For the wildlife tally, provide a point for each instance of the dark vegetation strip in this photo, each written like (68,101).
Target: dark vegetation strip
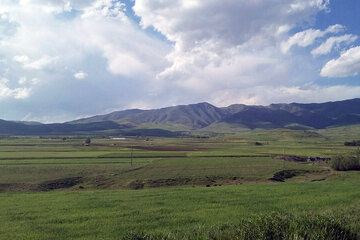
(50,185)
(233,156)
(353,143)
(281,176)
(144,156)
(68,163)
(97,157)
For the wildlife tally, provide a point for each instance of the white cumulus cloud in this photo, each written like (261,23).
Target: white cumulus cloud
(347,65)
(17,93)
(105,8)
(182,51)
(37,64)
(308,37)
(80,75)
(332,42)
(43,43)
(228,44)
(262,95)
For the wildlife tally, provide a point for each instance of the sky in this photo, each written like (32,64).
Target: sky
(66,59)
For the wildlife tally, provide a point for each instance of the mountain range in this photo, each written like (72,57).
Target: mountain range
(171,121)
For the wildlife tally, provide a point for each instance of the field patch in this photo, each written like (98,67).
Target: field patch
(170,148)
(176,188)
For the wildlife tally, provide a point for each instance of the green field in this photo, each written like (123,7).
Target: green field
(174,187)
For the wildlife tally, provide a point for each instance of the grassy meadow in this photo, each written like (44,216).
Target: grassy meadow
(177,188)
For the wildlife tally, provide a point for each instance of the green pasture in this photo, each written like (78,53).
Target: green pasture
(185,184)
(112,214)
(199,160)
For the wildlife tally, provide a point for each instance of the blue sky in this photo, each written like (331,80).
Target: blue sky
(66,59)
(346,13)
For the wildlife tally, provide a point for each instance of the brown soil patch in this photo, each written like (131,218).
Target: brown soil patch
(9,187)
(170,149)
(294,158)
(59,184)
(18,145)
(235,138)
(136,185)
(44,186)
(213,181)
(318,180)
(168,182)
(171,182)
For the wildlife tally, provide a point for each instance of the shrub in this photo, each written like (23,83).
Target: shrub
(346,162)
(281,176)
(353,143)
(87,140)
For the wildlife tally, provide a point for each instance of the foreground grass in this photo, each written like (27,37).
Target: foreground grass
(271,226)
(115,214)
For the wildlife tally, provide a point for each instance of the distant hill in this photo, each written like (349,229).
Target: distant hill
(196,116)
(170,121)
(16,128)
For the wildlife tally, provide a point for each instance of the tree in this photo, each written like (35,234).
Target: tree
(88,141)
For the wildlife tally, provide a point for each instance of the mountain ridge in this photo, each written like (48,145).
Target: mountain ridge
(195,116)
(201,115)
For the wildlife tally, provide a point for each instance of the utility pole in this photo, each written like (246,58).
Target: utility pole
(283,158)
(132,149)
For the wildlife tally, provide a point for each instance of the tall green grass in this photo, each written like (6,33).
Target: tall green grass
(183,212)
(272,226)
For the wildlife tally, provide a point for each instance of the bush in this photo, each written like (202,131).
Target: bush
(346,162)
(87,140)
(353,143)
(281,176)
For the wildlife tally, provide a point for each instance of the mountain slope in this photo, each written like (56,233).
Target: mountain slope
(193,116)
(262,117)
(13,128)
(201,116)
(321,115)
(197,116)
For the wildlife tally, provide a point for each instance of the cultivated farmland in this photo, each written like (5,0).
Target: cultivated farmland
(178,188)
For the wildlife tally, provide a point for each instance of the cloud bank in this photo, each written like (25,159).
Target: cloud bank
(64,59)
